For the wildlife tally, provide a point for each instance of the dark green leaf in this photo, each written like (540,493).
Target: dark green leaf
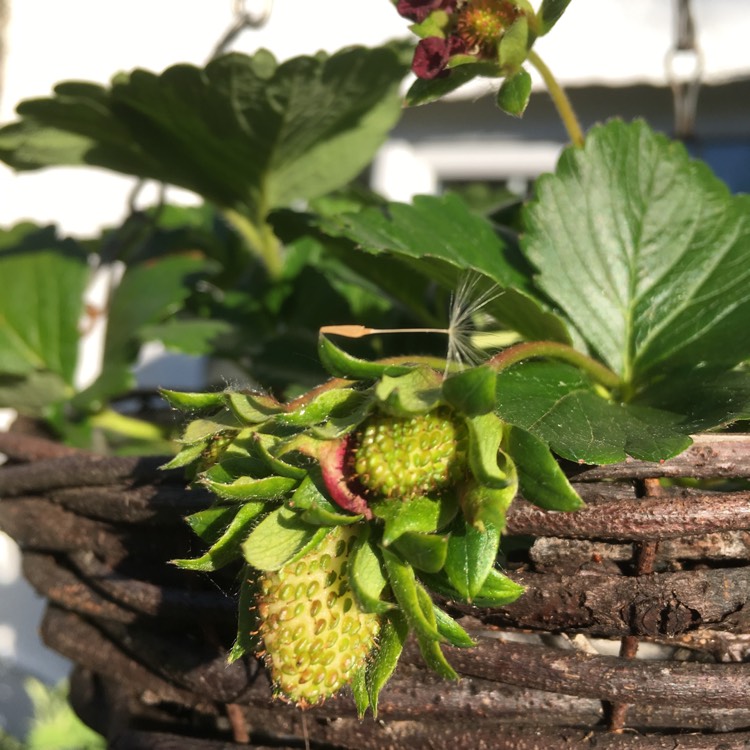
(555,402)
(421,515)
(442,238)
(486,506)
(248,624)
(359,691)
(471,556)
(497,591)
(540,477)
(646,251)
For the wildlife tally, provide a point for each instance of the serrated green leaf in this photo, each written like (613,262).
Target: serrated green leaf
(277,539)
(443,238)
(485,458)
(557,404)
(471,557)
(407,590)
(452,631)
(471,392)
(227,548)
(514,94)
(366,575)
(425,552)
(646,251)
(540,477)
(340,364)
(416,392)
(394,630)
(249,488)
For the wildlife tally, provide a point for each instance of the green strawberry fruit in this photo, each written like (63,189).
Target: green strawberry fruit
(314,632)
(402,457)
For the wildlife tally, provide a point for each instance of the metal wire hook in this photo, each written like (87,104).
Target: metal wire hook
(243,19)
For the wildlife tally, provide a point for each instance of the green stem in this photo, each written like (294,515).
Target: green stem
(560,99)
(554,350)
(136,429)
(260,238)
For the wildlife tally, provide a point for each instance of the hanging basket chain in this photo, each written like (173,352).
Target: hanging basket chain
(684,65)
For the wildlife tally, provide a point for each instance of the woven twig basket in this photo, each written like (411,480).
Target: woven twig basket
(659,570)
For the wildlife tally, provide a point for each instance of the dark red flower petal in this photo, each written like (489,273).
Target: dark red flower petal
(430,57)
(418,10)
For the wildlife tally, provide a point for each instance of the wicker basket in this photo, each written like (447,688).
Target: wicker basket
(660,567)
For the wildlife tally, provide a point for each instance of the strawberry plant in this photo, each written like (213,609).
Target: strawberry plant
(361,508)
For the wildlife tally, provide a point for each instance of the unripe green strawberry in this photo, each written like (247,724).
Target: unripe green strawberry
(408,456)
(314,632)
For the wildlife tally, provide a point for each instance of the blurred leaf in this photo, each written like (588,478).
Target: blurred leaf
(550,13)
(245,132)
(513,96)
(41,305)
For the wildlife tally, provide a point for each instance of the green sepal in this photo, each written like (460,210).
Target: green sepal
(320,408)
(416,392)
(340,364)
(200,429)
(394,630)
(435,658)
(471,392)
(338,425)
(253,408)
(359,691)
(228,547)
(471,557)
(421,514)
(283,469)
(434,25)
(248,619)
(486,505)
(514,93)
(209,524)
(248,488)
(277,539)
(407,590)
(550,13)
(540,477)
(485,436)
(425,552)
(453,632)
(514,45)
(193,401)
(187,455)
(366,575)
(497,591)
(315,508)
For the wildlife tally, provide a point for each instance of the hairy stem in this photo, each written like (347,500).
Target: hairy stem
(554,350)
(560,99)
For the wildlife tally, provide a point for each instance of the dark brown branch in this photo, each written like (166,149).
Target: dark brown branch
(18,446)
(679,513)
